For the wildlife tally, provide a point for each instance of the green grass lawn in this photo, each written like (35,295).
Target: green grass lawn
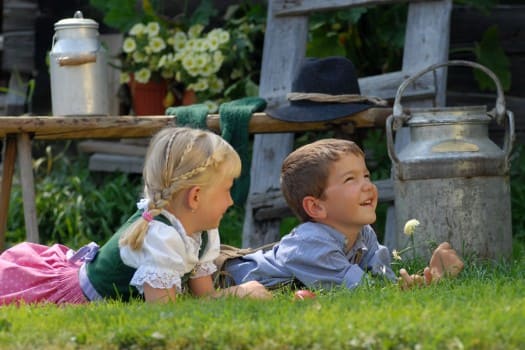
(482,309)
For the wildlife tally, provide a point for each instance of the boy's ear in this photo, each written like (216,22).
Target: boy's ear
(193,197)
(314,208)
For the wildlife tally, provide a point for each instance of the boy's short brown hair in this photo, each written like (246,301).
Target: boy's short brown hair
(305,171)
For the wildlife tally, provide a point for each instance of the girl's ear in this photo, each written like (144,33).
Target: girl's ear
(193,197)
(314,208)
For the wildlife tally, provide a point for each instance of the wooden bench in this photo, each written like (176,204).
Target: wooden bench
(18,131)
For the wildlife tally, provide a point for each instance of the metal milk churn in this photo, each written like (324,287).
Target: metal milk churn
(451,176)
(78,68)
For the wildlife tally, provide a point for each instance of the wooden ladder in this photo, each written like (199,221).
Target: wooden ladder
(426,43)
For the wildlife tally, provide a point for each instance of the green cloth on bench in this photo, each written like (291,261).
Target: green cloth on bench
(234,121)
(193,116)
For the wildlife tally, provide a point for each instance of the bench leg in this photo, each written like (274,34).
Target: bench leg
(7,180)
(28,186)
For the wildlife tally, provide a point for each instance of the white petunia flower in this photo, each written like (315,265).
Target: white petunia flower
(137,29)
(153,29)
(124,78)
(195,30)
(212,106)
(129,45)
(143,75)
(157,44)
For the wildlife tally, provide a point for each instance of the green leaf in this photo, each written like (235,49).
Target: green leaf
(489,53)
(203,13)
(321,45)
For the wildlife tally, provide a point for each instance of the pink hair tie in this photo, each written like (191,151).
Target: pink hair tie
(146,215)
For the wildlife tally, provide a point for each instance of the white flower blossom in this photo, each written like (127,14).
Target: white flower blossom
(410,227)
(129,45)
(195,30)
(396,255)
(137,29)
(143,75)
(153,29)
(124,78)
(157,44)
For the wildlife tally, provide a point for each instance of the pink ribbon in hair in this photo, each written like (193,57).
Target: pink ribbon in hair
(146,215)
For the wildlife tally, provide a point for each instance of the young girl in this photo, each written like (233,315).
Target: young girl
(168,244)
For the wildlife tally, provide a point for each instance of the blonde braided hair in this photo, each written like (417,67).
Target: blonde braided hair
(179,158)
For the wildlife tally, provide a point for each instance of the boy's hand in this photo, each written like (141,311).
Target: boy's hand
(407,281)
(445,262)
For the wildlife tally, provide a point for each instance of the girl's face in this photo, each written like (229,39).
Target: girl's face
(214,200)
(350,197)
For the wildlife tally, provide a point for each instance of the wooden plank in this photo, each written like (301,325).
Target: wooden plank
(113,163)
(19,15)
(9,158)
(304,7)
(25,162)
(18,51)
(385,86)
(82,127)
(284,49)
(108,147)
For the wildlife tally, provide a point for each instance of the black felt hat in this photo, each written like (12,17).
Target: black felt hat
(331,76)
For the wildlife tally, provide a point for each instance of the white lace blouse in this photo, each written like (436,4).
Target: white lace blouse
(168,253)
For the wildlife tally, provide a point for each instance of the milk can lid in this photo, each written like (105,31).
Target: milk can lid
(76,21)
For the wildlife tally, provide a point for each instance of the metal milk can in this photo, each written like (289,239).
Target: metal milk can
(78,68)
(451,176)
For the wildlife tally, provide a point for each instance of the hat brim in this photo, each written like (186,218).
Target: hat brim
(308,111)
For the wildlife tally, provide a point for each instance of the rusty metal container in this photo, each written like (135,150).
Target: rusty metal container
(451,176)
(78,68)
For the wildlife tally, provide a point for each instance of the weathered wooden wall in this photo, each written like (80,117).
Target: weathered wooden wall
(467,28)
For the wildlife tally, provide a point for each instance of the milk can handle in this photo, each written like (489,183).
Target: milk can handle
(500,101)
(77,60)
(398,117)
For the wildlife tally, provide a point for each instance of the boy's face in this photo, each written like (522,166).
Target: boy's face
(350,198)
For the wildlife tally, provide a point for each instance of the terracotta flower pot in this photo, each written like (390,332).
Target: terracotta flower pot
(148,98)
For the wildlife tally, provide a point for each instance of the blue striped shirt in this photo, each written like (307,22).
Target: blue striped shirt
(315,255)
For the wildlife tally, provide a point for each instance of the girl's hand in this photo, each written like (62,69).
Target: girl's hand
(156,295)
(252,289)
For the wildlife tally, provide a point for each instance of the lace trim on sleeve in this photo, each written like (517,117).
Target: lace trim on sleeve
(156,279)
(204,269)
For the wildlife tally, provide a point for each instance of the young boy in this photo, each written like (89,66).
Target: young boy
(328,187)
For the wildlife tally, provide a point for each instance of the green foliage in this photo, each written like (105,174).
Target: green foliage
(119,14)
(371,37)
(489,53)
(73,206)
(517,187)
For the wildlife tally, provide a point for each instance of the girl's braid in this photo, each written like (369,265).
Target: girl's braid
(170,167)
(188,175)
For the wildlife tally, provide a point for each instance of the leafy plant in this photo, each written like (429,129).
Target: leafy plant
(371,37)
(73,206)
(517,187)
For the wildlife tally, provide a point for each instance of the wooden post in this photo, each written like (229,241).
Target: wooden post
(9,158)
(25,162)
(281,58)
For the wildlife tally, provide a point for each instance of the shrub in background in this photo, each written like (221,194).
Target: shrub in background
(74,206)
